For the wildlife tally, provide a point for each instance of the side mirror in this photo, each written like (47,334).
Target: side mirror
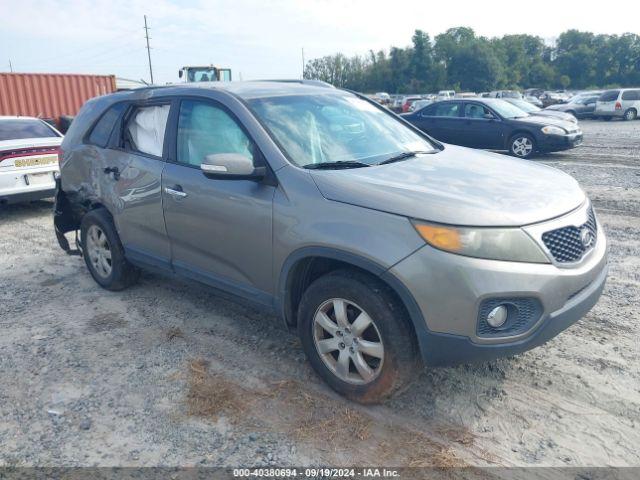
(231,166)
(179,73)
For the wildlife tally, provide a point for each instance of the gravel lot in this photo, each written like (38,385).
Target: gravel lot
(170,374)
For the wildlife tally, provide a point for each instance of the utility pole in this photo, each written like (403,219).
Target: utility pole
(302,63)
(10,66)
(146,34)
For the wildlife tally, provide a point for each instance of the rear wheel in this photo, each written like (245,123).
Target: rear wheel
(630,114)
(522,145)
(357,336)
(103,252)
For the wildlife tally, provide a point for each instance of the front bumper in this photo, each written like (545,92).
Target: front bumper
(555,143)
(449,290)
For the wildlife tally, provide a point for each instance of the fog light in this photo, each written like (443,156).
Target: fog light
(497,316)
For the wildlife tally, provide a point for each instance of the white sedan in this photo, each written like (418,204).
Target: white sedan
(28,159)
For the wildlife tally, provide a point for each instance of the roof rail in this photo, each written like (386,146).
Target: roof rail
(316,83)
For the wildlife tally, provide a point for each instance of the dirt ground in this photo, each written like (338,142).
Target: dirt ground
(169,373)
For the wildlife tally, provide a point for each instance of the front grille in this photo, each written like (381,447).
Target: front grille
(523,313)
(566,244)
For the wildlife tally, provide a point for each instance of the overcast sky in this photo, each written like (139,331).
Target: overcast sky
(261,38)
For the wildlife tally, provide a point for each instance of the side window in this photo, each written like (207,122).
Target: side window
(101,132)
(631,95)
(429,111)
(145,129)
(204,129)
(447,109)
(474,110)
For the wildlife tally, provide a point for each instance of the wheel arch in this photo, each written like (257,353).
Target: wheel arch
(306,264)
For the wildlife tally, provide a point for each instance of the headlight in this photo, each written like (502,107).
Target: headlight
(551,130)
(510,244)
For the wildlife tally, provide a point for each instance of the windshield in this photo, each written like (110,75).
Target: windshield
(524,105)
(202,74)
(506,110)
(14,129)
(314,129)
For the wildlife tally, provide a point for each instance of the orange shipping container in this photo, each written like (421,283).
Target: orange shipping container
(50,95)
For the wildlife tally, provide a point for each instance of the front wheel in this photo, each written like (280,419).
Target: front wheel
(630,114)
(357,336)
(522,145)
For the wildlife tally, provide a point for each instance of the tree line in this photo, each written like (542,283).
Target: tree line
(460,60)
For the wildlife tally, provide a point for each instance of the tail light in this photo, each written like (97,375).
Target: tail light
(28,152)
(618,106)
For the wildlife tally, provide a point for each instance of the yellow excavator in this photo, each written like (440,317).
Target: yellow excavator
(204,74)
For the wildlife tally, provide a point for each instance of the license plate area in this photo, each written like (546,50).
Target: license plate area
(39,178)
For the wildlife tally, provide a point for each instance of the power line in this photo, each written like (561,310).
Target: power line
(146,33)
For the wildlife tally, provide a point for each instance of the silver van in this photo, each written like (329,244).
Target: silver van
(382,247)
(622,103)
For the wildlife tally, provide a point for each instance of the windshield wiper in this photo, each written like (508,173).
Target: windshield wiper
(402,156)
(336,165)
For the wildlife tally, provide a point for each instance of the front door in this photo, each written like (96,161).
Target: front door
(220,230)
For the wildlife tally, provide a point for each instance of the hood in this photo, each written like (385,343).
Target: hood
(457,186)
(556,114)
(543,120)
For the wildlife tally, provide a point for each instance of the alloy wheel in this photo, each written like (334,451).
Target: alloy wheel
(99,251)
(522,146)
(348,341)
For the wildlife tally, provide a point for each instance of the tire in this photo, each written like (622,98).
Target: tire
(100,241)
(389,336)
(630,114)
(522,145)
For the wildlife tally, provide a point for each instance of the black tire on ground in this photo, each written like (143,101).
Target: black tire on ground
(517,145)
(630,114)
(123,274)
(401,363)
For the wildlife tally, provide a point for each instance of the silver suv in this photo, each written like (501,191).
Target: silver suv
(382,247)
(622,103)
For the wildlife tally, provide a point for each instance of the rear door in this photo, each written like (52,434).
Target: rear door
(441,120)
(131,177)
(220,229)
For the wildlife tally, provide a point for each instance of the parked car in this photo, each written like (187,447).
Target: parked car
(379,245)
(419,104)
(505,94)
(579,106)
(407,101)
(445,94)
(551,98)
(621,103)
(28,159)
(533,110)
(382,98)
(533,100)
(497,125)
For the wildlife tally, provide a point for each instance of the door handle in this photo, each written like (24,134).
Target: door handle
(175,191)
(114,170)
